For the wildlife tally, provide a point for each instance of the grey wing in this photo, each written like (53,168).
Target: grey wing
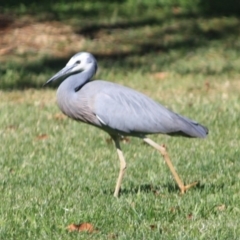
(127,111)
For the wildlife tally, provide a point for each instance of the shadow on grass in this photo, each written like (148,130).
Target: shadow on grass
(142,56)
(203,7)
(150,188)
(185,36)
(170,187)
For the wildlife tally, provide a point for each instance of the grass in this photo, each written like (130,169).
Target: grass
(55,171)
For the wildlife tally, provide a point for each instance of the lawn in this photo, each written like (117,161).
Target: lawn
(56,172)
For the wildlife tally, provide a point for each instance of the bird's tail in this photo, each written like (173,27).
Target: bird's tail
(190,128)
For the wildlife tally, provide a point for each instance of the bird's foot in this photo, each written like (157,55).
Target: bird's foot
(183,188)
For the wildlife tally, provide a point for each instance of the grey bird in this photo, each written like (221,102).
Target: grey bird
(119,110)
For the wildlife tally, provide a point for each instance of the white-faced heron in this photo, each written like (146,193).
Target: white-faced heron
(119,110)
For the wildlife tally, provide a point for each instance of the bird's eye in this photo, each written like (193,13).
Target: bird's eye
(78,62)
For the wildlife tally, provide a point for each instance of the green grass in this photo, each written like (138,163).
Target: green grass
(55,171)
(69,176)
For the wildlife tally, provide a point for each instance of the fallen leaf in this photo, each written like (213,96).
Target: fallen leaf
(160,75)
(164,146)
(153,226)
(207,85)
(82,227)
(155,192)
(190,216)
(86,227)
(109,140)
(125,139)
(42,137)
(72,227)
(11,127)
(59,116)
(221,207)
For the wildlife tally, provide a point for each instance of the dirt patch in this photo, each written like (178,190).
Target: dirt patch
(53,38)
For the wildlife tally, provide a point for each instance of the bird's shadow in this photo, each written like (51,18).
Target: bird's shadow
(169,187)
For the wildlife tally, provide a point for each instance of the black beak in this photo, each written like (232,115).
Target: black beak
(62,74)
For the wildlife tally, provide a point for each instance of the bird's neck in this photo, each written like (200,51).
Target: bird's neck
(75,82)
(68,91)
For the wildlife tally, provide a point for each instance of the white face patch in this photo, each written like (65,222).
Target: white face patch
(85,55)
(71,62)
(84,60)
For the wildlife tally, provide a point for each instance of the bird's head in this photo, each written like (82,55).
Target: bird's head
(82,61)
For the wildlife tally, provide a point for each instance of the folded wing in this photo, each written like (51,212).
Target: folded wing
(125,110)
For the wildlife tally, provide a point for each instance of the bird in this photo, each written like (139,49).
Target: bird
(120,111)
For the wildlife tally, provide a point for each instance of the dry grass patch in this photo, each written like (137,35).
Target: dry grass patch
(26,36)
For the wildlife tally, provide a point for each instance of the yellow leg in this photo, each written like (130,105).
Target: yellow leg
(163,151)
(123,166)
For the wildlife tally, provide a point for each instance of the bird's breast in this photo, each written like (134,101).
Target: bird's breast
(77,107)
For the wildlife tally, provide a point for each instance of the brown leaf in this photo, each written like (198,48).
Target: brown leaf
(207,85)
(160,75)
(59,116)
(153,226)
(42,137)
(72,227)
(155,192)
(82,227)
(125,139)
(164,146)
(221,207)
(11,127)
(109,140)
(190,216)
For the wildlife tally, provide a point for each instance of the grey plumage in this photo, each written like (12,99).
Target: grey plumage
(114,108)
